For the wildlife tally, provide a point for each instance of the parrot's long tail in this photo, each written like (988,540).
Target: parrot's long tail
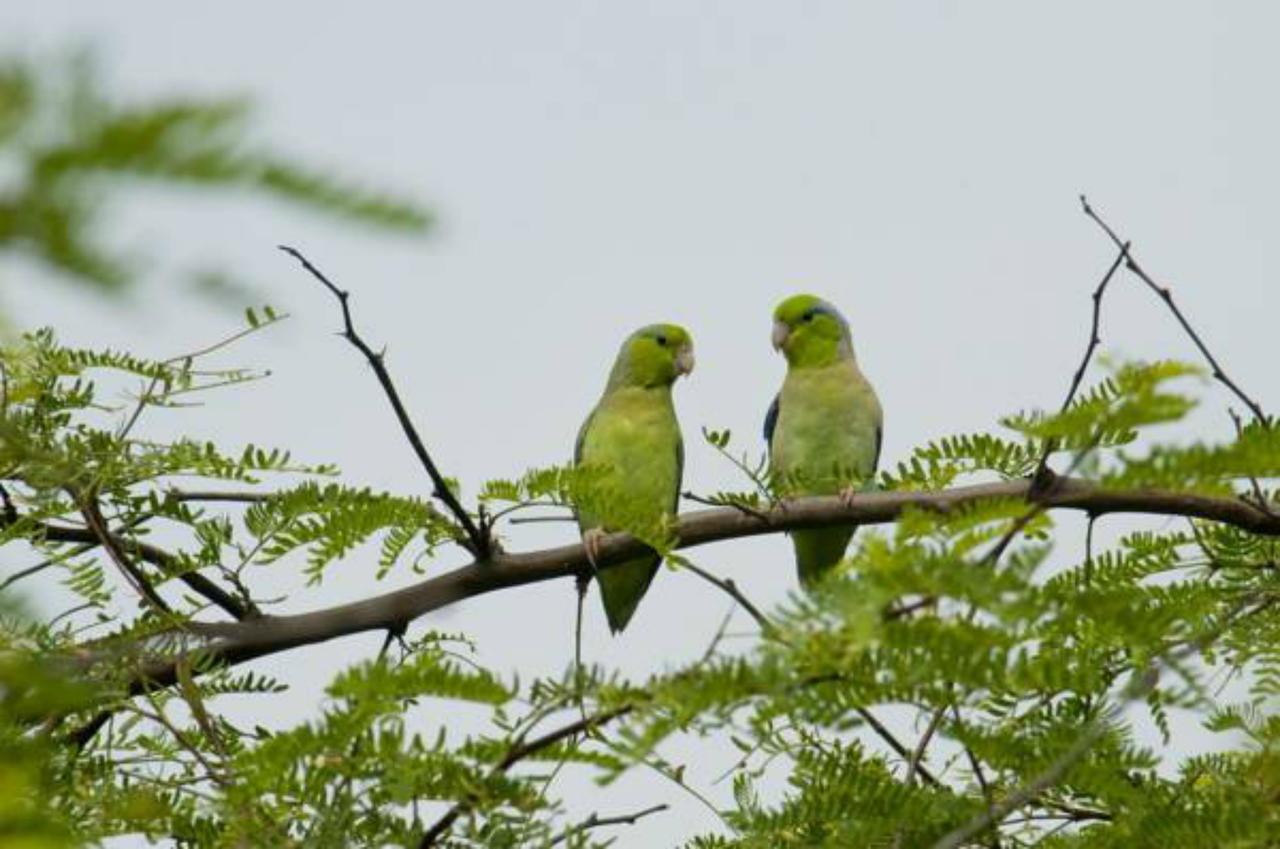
(622,587)
(818,551)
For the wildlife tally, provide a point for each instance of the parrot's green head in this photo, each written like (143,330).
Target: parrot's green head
(653,356)
(810,332)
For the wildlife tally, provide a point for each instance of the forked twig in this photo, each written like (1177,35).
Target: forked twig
(1166,295)
(1095,339)
(477,541)
(514,755)
(596,821)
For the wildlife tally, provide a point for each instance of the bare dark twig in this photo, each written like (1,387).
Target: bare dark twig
(229,495)
(902,611)
(476,540)
(729,586)
(1095,339)
(597,821)
(539,520)
(581,583)
(709,502)
(1088,550)
(1076,812)
(148,553)
(1043,478)
(895,744)
(81,737)
(52,533)
(979,775)
(1166,295)
(1259,497)
(10,511)
(98,525)
(917,756)
(34,569)
(514,755)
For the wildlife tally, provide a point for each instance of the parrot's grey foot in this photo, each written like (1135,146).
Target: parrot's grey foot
(591,541)
(848,495)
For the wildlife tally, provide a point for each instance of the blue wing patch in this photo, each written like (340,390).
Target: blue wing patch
(675,508)
(771,420)
(582,437)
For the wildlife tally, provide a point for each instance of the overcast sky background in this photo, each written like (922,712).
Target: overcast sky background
(596,167)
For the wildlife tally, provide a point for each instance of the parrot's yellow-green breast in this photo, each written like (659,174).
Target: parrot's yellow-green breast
(632,440)
(824,427)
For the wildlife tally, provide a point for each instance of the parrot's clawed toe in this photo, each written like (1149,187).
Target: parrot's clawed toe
(591,541)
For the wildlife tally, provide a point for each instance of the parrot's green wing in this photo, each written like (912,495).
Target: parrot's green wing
(830,420)
(635,440)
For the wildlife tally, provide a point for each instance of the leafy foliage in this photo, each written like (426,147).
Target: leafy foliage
(1042,683)
(69,146)
(964,620)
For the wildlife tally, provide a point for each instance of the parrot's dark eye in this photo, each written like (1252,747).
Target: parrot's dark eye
(808,316)
(661,340)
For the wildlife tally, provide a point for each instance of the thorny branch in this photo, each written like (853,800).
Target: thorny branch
(477,540)
(1164,293)
(1095,339)
(237,642)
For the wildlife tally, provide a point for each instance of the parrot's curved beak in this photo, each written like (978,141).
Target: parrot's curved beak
(780,333)
(685,360)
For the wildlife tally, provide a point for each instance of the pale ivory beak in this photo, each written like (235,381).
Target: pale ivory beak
(780,334)
(684,360)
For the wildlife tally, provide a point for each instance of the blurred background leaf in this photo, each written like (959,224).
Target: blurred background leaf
(68,151)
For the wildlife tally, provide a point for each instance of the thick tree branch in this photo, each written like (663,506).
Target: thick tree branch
(476,540)
(234,643)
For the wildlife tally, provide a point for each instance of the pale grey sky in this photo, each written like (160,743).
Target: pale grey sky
(598,166)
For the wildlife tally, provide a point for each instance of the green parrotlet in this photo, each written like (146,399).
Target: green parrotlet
(633,439)
(824,427)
